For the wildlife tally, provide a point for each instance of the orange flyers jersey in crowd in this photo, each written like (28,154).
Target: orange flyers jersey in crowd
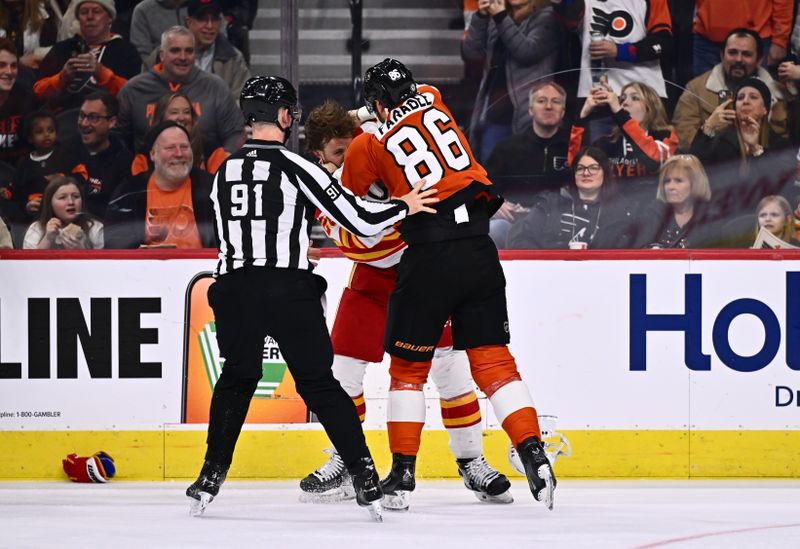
(419,140)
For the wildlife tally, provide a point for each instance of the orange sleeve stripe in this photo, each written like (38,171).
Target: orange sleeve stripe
(648,144)
(111,82)
(139,164)
(216,159)
(358,400)
(575,143)
(468,421)
(49,86)
(81,170)
(659,18)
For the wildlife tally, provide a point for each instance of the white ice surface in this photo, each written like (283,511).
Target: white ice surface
(443,515)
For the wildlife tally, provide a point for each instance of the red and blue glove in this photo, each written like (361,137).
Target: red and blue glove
(96,468)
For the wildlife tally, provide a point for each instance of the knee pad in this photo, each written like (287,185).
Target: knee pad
(349,372)
(492,367)
(450,373)
(408,372)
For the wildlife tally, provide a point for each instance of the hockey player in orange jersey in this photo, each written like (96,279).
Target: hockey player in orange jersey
(450,269)
(358,329)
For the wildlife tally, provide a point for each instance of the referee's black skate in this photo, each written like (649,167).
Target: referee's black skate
(399,483)
(367,487)
(541,479)
(331,482)
(488,484)
(205,488)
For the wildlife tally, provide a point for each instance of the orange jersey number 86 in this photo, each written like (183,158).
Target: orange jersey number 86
(415,150)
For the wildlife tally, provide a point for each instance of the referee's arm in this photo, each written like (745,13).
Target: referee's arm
(354,214)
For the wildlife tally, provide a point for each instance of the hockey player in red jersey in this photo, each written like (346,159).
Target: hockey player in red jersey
(450,269)
(358,329)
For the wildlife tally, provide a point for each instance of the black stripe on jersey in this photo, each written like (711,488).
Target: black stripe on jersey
(294,236)
(247,233)
(329,204)
(273,201)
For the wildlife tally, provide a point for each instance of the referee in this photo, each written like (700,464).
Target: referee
(264,199)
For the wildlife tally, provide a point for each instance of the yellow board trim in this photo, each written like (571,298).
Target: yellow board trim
(271,454)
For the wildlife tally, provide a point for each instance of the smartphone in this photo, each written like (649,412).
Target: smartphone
(725,95)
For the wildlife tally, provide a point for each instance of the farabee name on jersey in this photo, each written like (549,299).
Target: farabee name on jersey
(419,140)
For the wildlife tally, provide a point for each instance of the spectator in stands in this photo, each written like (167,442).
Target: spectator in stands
(774,214)
(214,54)
(521,166)
(240,16)
(517,41)
(703,104)
(63,223)
(641,141)
(177,107)
(624,40)
(6,242)
(97,156)
(771,20)
(168,207)
(674,220)
(47,160)
(151,18)
(15,102)
(221,121)
(750,134)
(94,59)
(32,26)
(587,213)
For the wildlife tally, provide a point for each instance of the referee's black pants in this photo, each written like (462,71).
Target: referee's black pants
(249,304)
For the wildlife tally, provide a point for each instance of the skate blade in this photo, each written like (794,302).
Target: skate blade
(397,501)
(503,498)
(198,506)
(344,493)
(547,494)
(375,511)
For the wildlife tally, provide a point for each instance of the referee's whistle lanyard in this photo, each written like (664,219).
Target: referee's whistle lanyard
(577,237)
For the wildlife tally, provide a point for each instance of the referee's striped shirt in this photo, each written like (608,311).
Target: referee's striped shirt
(264,199)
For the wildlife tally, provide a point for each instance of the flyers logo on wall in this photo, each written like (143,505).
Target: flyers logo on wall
(276,399)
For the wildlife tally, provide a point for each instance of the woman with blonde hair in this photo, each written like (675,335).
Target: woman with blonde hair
(642,141)
(674,219)
(32,25)
(517,41)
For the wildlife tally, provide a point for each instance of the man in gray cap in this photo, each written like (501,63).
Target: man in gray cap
(93,59)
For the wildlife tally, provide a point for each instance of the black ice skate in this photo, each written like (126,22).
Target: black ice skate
(399,483)
(331,482)
(541,479)
(367,487)
(488,484)
(205,488)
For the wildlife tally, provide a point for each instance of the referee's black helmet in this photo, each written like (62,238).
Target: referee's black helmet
(389,82)
(263,96)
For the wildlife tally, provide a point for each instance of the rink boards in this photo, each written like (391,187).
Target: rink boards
(657,364)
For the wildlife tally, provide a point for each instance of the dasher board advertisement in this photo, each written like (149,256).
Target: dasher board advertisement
(603,344)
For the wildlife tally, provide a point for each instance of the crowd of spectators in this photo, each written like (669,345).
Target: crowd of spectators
(626,145)
(603,123)
(114,116)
